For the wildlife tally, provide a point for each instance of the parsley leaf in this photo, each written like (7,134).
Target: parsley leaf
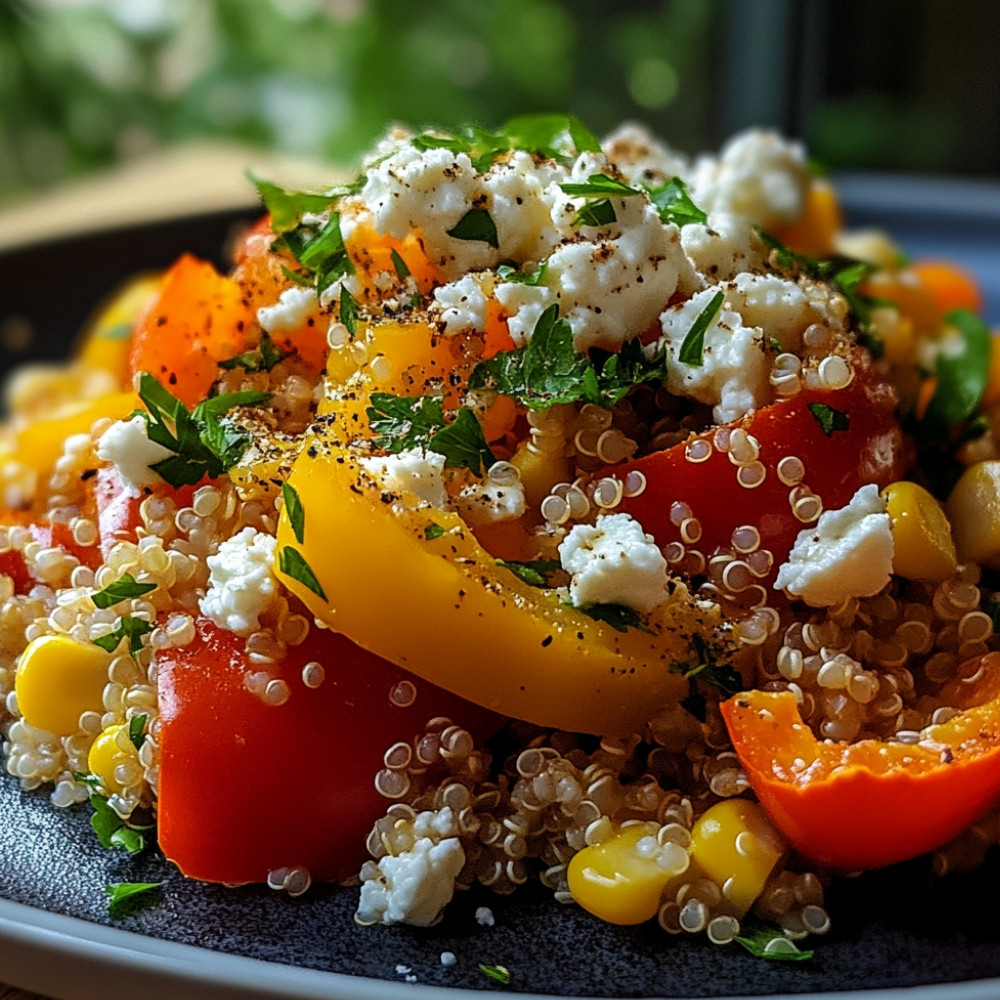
(137,730)
(203,446)
(770,943)
(498,972)
(129,628)
(399,265)
(961,377)
(829,419)
(537,277)
(692,350)
(293,563)
(125,587)
(348,311)
(546,134)
(596,213)
(548,370)
(719,675)
(112,830)
(532,573)
(261,359)
(434,530)
(476,225)
(401,422)
(620,617)
(674,204)
(125,898)
(286,207)
(320,251)
(599,186)
(295,511)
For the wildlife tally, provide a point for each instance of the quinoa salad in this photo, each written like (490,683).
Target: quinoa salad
(532,507)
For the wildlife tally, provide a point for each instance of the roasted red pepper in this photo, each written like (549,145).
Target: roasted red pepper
(863,805)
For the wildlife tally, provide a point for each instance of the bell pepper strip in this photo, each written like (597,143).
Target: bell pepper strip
(247,787)
(436,603)
(200,318)
(855,806)
(843,439)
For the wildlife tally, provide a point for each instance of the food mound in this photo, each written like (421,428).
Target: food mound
(529,506)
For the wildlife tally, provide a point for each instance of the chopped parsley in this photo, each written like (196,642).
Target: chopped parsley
(293,563)
(125,898)
(536,277)
(692,350)
(137,730)
(348,311)
(124,588)
(532,573)
(961,376)
(620,617)
(548,370)
(434,530)
(498,972)
(399,265)
(770,943)
(286,207)
(112,830)
(830,419)
(476,225)
(721,676)
(295,511)
(319,249)
(599,186)
(401,422)
(130,628)
(202,444)
(674,204)
(596,213)
(261,359)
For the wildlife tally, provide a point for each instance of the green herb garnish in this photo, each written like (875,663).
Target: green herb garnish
(401,422)
(124,588)
(829,419)
(692,350)
(286,207)
(202,444)
(348,311)
(532,573)
(674,204)
(599,186)
(548,370)
(112,830)
(293,563)
(770,943)
(596,213)
(705,668)
(536,277)
(130,628)
(498,972)
(125,898)
(137,730)
(962,376)
(295,511)
(620,617)
(319,250)
(399,265)
(434,530)
(476,225)
(261,359)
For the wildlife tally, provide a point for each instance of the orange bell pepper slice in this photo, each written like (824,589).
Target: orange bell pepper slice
(855,806)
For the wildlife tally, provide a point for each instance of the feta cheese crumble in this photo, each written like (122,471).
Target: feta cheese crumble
(413,471)
(847,554)
(126,445)
(614,562)
(291,312)
(241,582)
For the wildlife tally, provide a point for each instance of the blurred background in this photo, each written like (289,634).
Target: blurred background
(907,85)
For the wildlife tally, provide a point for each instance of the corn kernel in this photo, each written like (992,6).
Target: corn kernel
(111,749)
(734,844)
(539,473)
(57,680)
(621,879)
(974,510)
(923,548)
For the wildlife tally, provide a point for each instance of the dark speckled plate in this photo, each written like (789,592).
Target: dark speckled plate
(901,933)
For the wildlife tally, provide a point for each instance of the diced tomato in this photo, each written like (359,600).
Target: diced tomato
(844,438)
(863,805)
(248,787)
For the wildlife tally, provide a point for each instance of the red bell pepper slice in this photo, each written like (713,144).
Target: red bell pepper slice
(855,806)
(248,787)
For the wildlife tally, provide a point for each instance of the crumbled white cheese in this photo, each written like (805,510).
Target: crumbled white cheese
(486,502)
(847,554)
(614,562)
(733,375)
(413,471)
(126,445)
(484,916)
(642,158)
(291,312)
(413,887)
(727,246)
(463,303)
(448,958)
(758,175)
(241,582)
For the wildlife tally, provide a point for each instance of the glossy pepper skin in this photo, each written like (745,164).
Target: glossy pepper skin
(837,461)
(868,804)
(247,787)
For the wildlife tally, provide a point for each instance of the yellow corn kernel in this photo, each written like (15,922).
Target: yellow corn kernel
(974,510)
(57,680)
(539,473)
(923,548)
(734,844)
(106,341)
(111,749)
(622,879)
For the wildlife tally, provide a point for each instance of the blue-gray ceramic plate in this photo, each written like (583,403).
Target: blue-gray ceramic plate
(902,933)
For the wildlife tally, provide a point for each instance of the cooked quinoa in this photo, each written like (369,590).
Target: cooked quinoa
(435,278)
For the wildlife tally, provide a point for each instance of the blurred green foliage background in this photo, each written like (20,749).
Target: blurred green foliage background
(85,83)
